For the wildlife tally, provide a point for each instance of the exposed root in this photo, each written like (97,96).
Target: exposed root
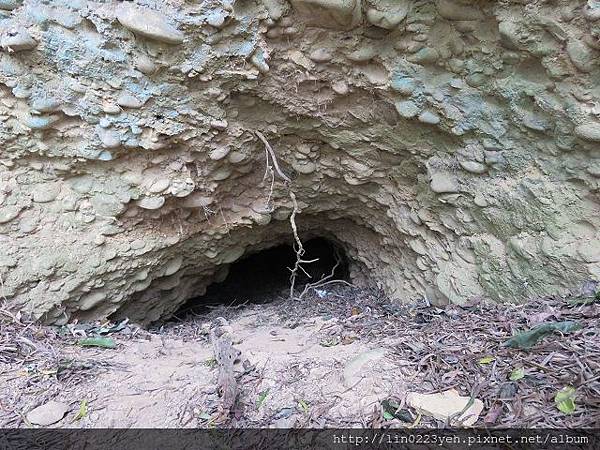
(299,249)
(326,279)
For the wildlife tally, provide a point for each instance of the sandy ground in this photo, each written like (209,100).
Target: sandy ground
(329,360)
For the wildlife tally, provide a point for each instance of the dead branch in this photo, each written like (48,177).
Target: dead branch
(225,355)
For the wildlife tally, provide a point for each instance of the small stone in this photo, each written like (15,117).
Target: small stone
(589,131)
(109,138)
(45,193)
(126,100)
(151,202)
(111,108)
(480,200)
(231,255)
(452,10)
(159,185)
(182,188)
(217,18)
(40,122)
(173,266)
(334,14)
(18,40)
(427,55)
(592,11)
(197,200)
(581,55)
(145,65)
(340,87)
(221,174)
(429,117)
(304,168)
(9,213)
(90,300)
(407,108)
(107,205)
(404,85)
(219,124)
(219,153)
(138,244)
(321,55)
(388,15)
(258,59)
(48,413)
(236,157)
(148,23)
(362,54)
(446,406)
(45,105)
(443,183)
(473,167)
(9,5)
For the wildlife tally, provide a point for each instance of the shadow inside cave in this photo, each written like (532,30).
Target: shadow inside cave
(264,276)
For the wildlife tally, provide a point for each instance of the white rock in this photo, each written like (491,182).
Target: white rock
(182,188)
(159,185)
(148,23)
(126,100)
(407,108)
(9,213)
(446,404)
(46,192)
(429,117)
(473,167)
(589,131)
(90,300)
(340,87)
(443,183)
(321,55)
(48,413)
(388,14)
(18,40)
(151,202)
(219,153)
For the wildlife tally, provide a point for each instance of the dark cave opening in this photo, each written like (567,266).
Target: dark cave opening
(264,276)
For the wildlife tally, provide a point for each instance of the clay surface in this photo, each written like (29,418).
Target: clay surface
(450,147)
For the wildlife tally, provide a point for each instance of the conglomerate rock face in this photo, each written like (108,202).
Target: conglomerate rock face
(452,148)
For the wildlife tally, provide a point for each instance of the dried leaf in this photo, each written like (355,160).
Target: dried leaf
(97,342)
(83,410)
(261,398)
(391,410)
(517,374)
(564,400)
(486,360)
(204,416)
(303,405)
(332,342)
(529,338)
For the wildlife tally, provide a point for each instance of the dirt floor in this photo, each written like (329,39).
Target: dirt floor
(340,357)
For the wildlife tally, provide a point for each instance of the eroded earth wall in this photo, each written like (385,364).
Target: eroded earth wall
(452,148)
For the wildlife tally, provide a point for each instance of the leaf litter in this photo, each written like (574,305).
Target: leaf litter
(546,378)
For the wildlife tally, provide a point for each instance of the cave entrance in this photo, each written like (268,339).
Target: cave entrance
(264,276)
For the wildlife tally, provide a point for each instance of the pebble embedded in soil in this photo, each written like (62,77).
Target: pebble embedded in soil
(47,414)
(148,23)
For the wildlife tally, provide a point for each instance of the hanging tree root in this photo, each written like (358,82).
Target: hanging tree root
(299,249)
